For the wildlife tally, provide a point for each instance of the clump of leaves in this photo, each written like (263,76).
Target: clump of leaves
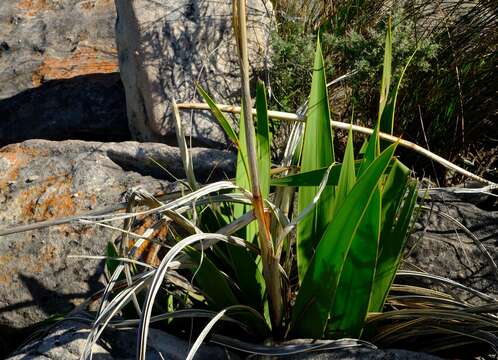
(229,261)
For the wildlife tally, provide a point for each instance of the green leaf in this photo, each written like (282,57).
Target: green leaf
(390,109)
(263,140)
(386,125)
(314,177)
(350,307)
(211,281)
(112,252)
(347,178)
(319,286)
(352,298)
(391,248)
(218,114)
(318,152)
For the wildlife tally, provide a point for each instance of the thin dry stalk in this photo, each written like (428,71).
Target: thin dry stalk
(270,262)
(280,115)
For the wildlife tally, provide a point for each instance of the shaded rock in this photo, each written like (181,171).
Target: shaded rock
(66,341)
(59,71)
(166,47)
(90,107)
(440,246)
(365,354)
(42,180)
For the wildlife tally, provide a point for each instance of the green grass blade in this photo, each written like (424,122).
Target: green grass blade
(218,114)
(318,152)
(391,248)
(318,289)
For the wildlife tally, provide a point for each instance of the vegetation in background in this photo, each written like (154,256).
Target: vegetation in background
(448,99)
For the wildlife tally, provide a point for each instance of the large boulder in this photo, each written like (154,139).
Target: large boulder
(166,47)
(59,71)
(43,180)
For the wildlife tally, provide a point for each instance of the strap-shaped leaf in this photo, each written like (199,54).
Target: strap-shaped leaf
(351,301)
(218,114)
(318,152)
(391,248)
(318,289)
(314,177)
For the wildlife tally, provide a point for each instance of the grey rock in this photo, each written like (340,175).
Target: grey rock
(41,180)
(166,47)
(365,354)
(439,246)
(66,341)
(59,71)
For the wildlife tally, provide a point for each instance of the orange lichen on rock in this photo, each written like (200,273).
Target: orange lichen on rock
(84,60)
(17,157)
(33,7)
(52,198)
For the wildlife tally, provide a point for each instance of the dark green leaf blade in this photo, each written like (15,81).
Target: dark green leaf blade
(391,248)
(319,285)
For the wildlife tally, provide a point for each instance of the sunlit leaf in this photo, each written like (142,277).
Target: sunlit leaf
(318,152)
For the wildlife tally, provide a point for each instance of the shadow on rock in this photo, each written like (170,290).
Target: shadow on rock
(89,107)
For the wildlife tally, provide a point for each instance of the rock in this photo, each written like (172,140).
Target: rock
(42,180)
(364,354)
(166,47)
(66,341)
(439,246)
(59,71)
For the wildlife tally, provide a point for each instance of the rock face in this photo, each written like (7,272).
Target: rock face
(440,246)
(58,70)
(166,47)
(41,180)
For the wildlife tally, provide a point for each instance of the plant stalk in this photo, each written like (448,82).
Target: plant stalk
(284,116)
(270,262)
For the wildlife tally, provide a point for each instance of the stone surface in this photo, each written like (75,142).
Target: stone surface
(364,354)
(439,246)
(42,180)
(166,47)
(59,71)
(66,341)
